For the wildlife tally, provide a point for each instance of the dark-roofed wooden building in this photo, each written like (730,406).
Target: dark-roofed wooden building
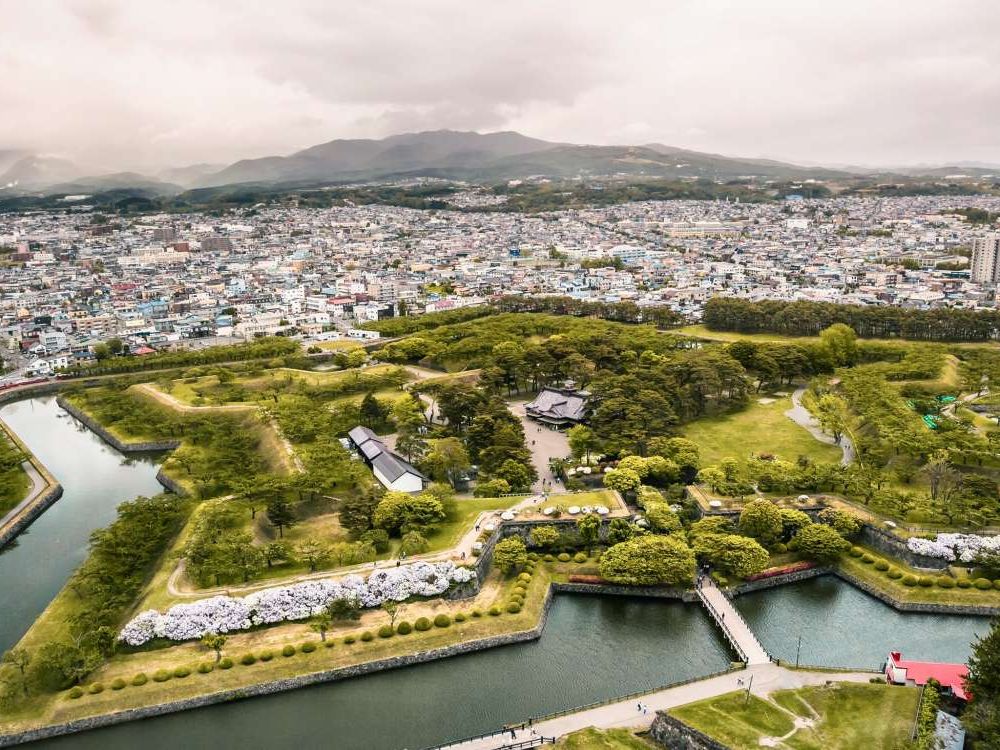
(391,469)
(559,407)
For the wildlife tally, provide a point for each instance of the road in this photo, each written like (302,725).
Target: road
(544,444)
(801,416)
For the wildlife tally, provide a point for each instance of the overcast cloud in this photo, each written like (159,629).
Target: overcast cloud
(141,84)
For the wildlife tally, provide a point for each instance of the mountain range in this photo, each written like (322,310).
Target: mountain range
(477,157)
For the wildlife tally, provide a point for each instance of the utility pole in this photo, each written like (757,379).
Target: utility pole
(749,685)
(798,650)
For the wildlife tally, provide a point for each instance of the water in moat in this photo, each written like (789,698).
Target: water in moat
(593,648)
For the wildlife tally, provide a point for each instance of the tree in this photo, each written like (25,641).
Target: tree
(661,519)
(761,519)
(510,554)
(791,521)
(545,537)
(390,513)
(321,623)
(274,551)
(844,523)
(622,480)
(447,460)
(943,479)
(713,477)
(982,717)
(216,642)
(820,542)
(518,476)
(313,553)
(492,488)
(19,659)
(842,343)
(589,529)
(345,608)
(620,530)
(582,440)
(280,513)
(833,415)
(356,510)
(393,609)
(731,553)
(413,543)
(371,411)
(101,352)
(649,561)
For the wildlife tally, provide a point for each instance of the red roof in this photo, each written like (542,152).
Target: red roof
(919,672)
(140,351)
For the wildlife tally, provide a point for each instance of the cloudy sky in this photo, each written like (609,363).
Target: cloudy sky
(141,84)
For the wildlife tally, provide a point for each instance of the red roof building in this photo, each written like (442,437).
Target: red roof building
(900,671)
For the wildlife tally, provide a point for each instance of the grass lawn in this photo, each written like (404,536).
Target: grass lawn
(760,428)
(603,739)
(843,716)
(340,345)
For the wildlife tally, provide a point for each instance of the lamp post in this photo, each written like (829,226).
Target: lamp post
(798,650)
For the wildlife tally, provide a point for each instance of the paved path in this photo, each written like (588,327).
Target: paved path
(802,417)
(544,444)
(38,485)
(766,679)
(728,618)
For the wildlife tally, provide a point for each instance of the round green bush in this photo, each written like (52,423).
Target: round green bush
(494,610)
(404,628)
(549,558)
(580,557)
(181,672)
(909,580)
(867,559)
(95,688)
(247,659)
(516,598)
(460,617)
(349,639)
(328,644)
(513,608)
(161,675)
(996,583)
(386,631)
(140,679)
(226,663)
(964,583)
(442,621)
(477,613)
(894,573)
(882,565)
(526,577)
(533,556)
(520,590)
(422,623)
(117,684)
(945,582)
(926,581)
(205,667)
(856,552)
(780,548)
(308,647)
(367,636)
(983,584)
(289,650)
(564,557)
(75,693)
(265,655)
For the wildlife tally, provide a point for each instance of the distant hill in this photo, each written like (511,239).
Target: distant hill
(116,181)
(190,175)
(39,171)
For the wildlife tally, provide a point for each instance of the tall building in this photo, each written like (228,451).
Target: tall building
(986,259)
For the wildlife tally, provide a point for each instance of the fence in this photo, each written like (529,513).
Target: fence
(717,616)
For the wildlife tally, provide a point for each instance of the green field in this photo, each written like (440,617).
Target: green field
(760,428)
(603,739)
(843,716)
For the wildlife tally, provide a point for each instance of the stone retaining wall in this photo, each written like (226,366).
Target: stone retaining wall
(674,734)
(29,514)
(778,580)
(278,686)
(924,607)
(98,429)
(892,545)
(610,589)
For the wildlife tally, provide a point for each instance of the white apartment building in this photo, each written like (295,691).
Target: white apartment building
(985,265)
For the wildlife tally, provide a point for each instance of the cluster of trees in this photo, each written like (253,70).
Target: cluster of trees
(13,481)
(96,598)
(809,318)
(767,473)
(982,717)
(619,312)
(264,348)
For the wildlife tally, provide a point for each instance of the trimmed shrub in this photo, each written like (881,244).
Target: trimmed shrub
(205,667)
(526,577)
(265,655)
(580,557)
(856,552)
(442,621)
(95,688)
(895,573)
(514,608)
(404,628)
(983,584)
(996,583)
(247,659)
(533,556)
(181,672)
(161,675)
(367,636)
(517,598)
(909,580)
(308,647)
(494,611)
(564,557)
(867,559)
(226,663)
(328,644)
(140,679)
(477,613)
(549,558)
(520,589)
(422,623)
(926,581)
(964,583)
(289,650)
(780,548)
(75,693)
(117,684)
(386,631)
(945,582)
(349,639)
(882,565)
(460,617)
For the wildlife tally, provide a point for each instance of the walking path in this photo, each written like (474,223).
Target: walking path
(728,618)
(762,679)
(801,416)
(545,444)
(38,485)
